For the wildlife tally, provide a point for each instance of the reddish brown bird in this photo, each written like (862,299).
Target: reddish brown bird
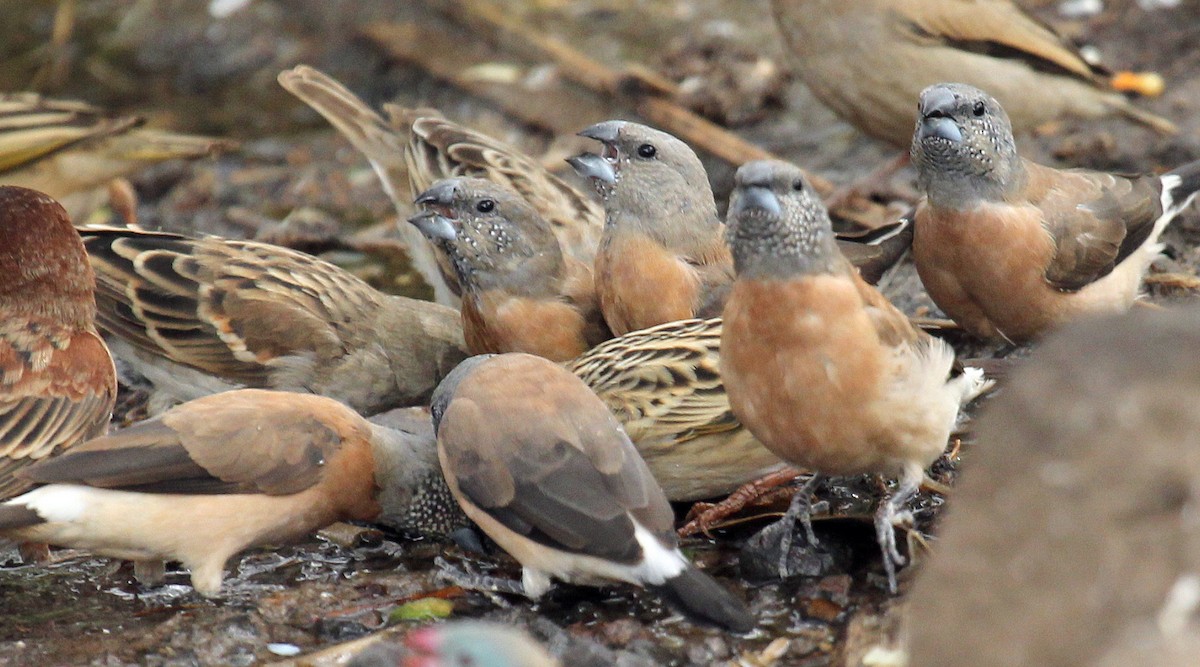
(1011,249)
(520,293)
(542,466)
(201,316)
(215,476)
(57,381)
(417,147)
(819,366)
(662,257)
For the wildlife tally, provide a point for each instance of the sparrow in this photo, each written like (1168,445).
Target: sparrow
(417,147)
(545,470)
(868,60)
(520,293)
(664,385)
(661,257)
(1071,540)
(818,365)
(57,380)
(474,643)
(198,316)
(1011,249)
(62,147)
(213,477)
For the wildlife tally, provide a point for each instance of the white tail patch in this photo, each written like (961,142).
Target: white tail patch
(56,503)
(658,562)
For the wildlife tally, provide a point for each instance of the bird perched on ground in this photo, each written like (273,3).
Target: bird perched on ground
(1010,248)
(63,147)
(661,257)
(197,316)
(419,147)
(664,385)
(1072,539)
(868,60)
(539,463)
(819,366)
(520,293)
(215,476)
(57,381)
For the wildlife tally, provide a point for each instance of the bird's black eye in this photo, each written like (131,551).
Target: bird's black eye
(485,206)
(798,185)
(979,109)
(647,151)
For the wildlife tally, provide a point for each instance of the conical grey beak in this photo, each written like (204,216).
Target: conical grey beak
(940,126)
(441,193)
(590,165)
(434,225)
(937,109)
(751,197)
(606,132)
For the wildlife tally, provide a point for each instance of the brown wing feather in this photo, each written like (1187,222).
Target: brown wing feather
(892,326)
(228,308)
(56,389)
(249,441)
(538,451)
(1096,220)
(999,28)
(32,127)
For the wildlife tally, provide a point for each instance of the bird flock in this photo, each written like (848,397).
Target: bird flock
(589,357)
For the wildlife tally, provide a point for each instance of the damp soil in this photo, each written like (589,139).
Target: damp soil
(295,182)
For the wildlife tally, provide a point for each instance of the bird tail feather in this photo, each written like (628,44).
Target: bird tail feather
(700,597)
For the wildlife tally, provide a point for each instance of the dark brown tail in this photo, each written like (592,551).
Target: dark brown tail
(700,597)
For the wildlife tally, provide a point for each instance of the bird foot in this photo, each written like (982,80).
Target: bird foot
(703,516)
(886,520)
(474,581)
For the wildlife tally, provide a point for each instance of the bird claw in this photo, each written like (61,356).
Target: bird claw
(703,516)
(474,581)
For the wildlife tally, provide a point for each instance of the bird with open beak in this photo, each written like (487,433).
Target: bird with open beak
(1011,249)
(661,257)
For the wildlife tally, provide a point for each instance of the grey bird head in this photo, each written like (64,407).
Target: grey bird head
(777,226)
(963,147)
(648,177)
(493,237)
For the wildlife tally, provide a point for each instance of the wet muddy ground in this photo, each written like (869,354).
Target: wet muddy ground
(295,181)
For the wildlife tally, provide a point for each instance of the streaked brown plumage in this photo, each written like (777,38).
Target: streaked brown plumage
(868,60)
(61,147)
(418,147)
(57,381)
(1011,249)
(664,386)
(1071,538)
(201,315)
(819,366)
(542,466)
(520,293)
(215,476)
